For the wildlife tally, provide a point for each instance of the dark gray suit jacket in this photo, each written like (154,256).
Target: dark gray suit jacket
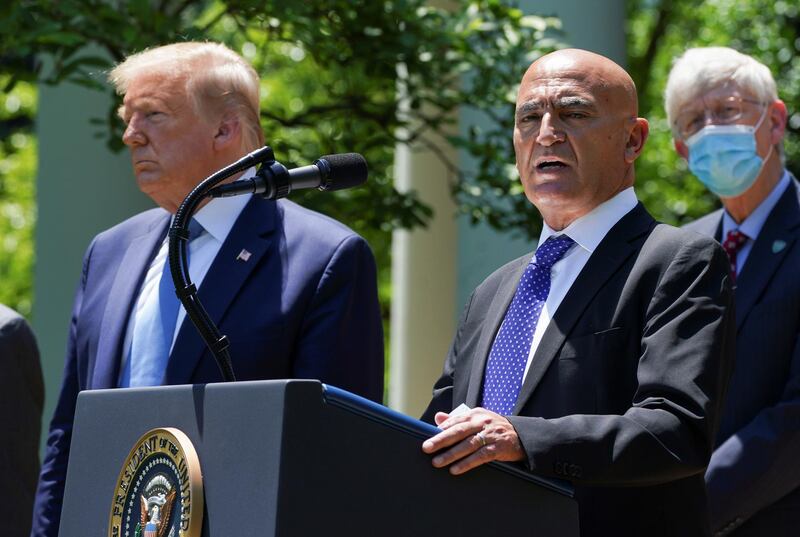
(624,392)
(754,476)
(21,400)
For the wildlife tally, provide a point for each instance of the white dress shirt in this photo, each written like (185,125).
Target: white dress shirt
(587,232)
(751,226)
(217,218)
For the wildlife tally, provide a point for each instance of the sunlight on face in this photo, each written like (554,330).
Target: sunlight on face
(170,145)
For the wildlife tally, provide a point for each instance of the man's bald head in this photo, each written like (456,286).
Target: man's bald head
(610,82)
(576,133)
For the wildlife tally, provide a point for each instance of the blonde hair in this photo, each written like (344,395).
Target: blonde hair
(699,70)
(217,81)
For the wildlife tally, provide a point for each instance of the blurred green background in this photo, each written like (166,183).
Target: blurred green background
(364,76)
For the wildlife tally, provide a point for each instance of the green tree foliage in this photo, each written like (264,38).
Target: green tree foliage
(17,203)
(332,71)
(329,67)
(658,32)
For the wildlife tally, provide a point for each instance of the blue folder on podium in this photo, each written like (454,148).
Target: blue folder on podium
(290,458)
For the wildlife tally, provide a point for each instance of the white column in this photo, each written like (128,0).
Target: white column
(434,270)
(82,188)
(423,282)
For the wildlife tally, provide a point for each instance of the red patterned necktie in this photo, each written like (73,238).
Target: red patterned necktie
(732,243)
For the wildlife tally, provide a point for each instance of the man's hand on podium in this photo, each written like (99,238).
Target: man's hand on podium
(474,437)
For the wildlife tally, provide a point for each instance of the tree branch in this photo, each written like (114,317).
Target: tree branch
(642,66)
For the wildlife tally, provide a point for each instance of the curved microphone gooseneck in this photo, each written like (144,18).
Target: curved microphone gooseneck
(179,268)
(273,180)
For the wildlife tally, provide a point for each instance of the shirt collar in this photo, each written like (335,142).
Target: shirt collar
(751,226)
(588,230)
(218,215)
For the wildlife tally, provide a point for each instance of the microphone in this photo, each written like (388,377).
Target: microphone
(273,180)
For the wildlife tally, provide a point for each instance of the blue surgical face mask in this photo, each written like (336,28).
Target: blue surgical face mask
(724,157)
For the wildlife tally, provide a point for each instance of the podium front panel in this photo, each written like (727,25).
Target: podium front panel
(279,458)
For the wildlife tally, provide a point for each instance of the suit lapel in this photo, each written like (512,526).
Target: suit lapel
(492,321)
(123,291)
(221,284)
(769,250)
(604,262)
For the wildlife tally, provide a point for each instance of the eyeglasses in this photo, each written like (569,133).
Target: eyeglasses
(721,111)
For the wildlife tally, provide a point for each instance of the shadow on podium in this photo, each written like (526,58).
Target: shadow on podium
(292,458)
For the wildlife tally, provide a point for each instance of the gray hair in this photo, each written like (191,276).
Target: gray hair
(217,80)
(699,70)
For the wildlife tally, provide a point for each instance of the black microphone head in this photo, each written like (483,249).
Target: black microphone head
(346,170)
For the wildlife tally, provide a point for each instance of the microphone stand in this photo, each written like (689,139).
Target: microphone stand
(179,268)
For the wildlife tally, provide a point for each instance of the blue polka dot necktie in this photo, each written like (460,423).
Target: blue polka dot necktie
(509,355)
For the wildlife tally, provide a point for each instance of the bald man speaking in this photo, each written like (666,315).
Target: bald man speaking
(603,357)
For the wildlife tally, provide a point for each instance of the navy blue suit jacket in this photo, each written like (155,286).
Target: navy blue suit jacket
(753,478)
(304,305)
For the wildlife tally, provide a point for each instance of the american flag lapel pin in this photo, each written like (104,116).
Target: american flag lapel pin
(243,256)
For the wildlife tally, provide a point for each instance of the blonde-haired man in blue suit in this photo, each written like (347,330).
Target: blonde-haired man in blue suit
(294,291)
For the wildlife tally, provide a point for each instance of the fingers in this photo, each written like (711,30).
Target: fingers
(473,439)
(464,448)
(440,417)
(474,416)
(455,429)
(481,456)
(501,445)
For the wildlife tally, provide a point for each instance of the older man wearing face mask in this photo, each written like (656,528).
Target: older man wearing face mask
(729,124)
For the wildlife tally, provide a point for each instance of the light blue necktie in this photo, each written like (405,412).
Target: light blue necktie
(154,326)
(509,355)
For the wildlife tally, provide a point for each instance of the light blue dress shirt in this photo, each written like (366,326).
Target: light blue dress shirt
(217,218)
(751,226)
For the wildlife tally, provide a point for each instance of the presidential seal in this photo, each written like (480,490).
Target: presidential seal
(159,491)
